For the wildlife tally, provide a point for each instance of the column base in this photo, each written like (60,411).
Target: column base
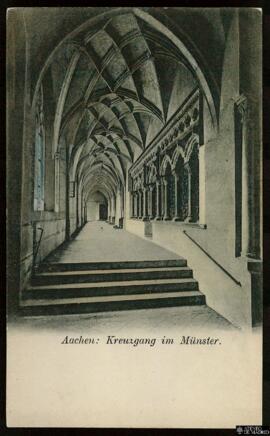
(176,218)
(166,218)
(158,218)
(250,256)
(145,218)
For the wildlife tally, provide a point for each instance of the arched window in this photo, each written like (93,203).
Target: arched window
(39,155)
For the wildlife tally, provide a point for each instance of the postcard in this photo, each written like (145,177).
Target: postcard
(134,187)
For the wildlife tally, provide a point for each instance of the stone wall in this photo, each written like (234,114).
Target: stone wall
(235,302)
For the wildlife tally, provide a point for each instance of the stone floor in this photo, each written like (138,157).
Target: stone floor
(170,320)
(100,242)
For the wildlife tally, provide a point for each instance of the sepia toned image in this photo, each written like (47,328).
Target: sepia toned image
(134,174)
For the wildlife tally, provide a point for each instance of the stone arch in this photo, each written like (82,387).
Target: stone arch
(152,174)
(135,185)
(165,162)
(190,145)
(178,153)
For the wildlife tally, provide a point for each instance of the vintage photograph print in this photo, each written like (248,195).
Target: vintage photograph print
(134,208)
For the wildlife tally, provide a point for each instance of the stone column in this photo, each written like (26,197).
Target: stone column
(140,205)
(250,77)
(145,215)
(57,180)
(248,242)
(135,204)
(161,199)
(176,198)
(131,204)
(158,215)
(202,184)
(113,210)
(150,204)
(189,215)
(165,216)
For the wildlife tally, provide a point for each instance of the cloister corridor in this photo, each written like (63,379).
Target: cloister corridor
(134,218)
(99,242)
(128,116)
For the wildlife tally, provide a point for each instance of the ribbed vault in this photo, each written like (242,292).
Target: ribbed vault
(116,84)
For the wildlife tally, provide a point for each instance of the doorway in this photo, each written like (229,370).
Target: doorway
(103,212)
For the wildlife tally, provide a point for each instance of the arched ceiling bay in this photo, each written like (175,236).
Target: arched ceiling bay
(116,85)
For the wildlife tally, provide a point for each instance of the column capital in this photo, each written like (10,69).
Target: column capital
(242,106)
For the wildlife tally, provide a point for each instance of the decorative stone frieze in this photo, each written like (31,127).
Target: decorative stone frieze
(166,176)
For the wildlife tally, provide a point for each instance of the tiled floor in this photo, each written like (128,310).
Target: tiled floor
(100,242)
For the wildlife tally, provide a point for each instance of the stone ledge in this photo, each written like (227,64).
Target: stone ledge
(175,223)
(181,224)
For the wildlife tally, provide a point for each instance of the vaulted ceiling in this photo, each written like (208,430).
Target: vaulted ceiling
(112,86)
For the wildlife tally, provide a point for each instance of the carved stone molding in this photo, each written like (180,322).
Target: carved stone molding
(178,127)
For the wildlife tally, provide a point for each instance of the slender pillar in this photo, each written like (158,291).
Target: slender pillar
(131,204)
(202,184)
(150,204)
(140,205)
(248,242)
(189,215)
(158,213)
(251,91)
(57,181)
(67,197)
(135,205)
(176,198)
(161,199)
(109,211)
(166,215)
(145,215)
(113,210)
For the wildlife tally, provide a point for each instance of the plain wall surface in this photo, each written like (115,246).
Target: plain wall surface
(92,211)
